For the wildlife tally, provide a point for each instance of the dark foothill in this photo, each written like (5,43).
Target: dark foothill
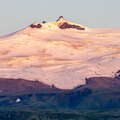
(65,25)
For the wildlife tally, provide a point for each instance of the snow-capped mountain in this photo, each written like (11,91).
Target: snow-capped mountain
(60,53)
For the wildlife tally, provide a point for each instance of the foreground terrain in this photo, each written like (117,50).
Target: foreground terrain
(58,115)
(98,93)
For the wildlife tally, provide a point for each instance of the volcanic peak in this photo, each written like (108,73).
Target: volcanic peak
(61,23)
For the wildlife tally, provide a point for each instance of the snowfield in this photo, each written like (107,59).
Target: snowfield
(63,57)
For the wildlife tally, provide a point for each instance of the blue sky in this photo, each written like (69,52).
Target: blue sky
(16,14)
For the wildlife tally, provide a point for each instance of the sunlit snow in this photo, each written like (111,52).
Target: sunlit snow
(63,57)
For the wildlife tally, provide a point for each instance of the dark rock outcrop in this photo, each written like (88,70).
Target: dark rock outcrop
(66,25)
(61,17)
(117,75)
(36,26)
(44,22)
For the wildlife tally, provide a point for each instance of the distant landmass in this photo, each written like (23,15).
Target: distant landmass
(58,71)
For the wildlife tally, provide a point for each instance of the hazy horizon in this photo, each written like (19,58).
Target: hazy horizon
(16,14)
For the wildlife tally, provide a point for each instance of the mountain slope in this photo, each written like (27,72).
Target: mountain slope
(63,56)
